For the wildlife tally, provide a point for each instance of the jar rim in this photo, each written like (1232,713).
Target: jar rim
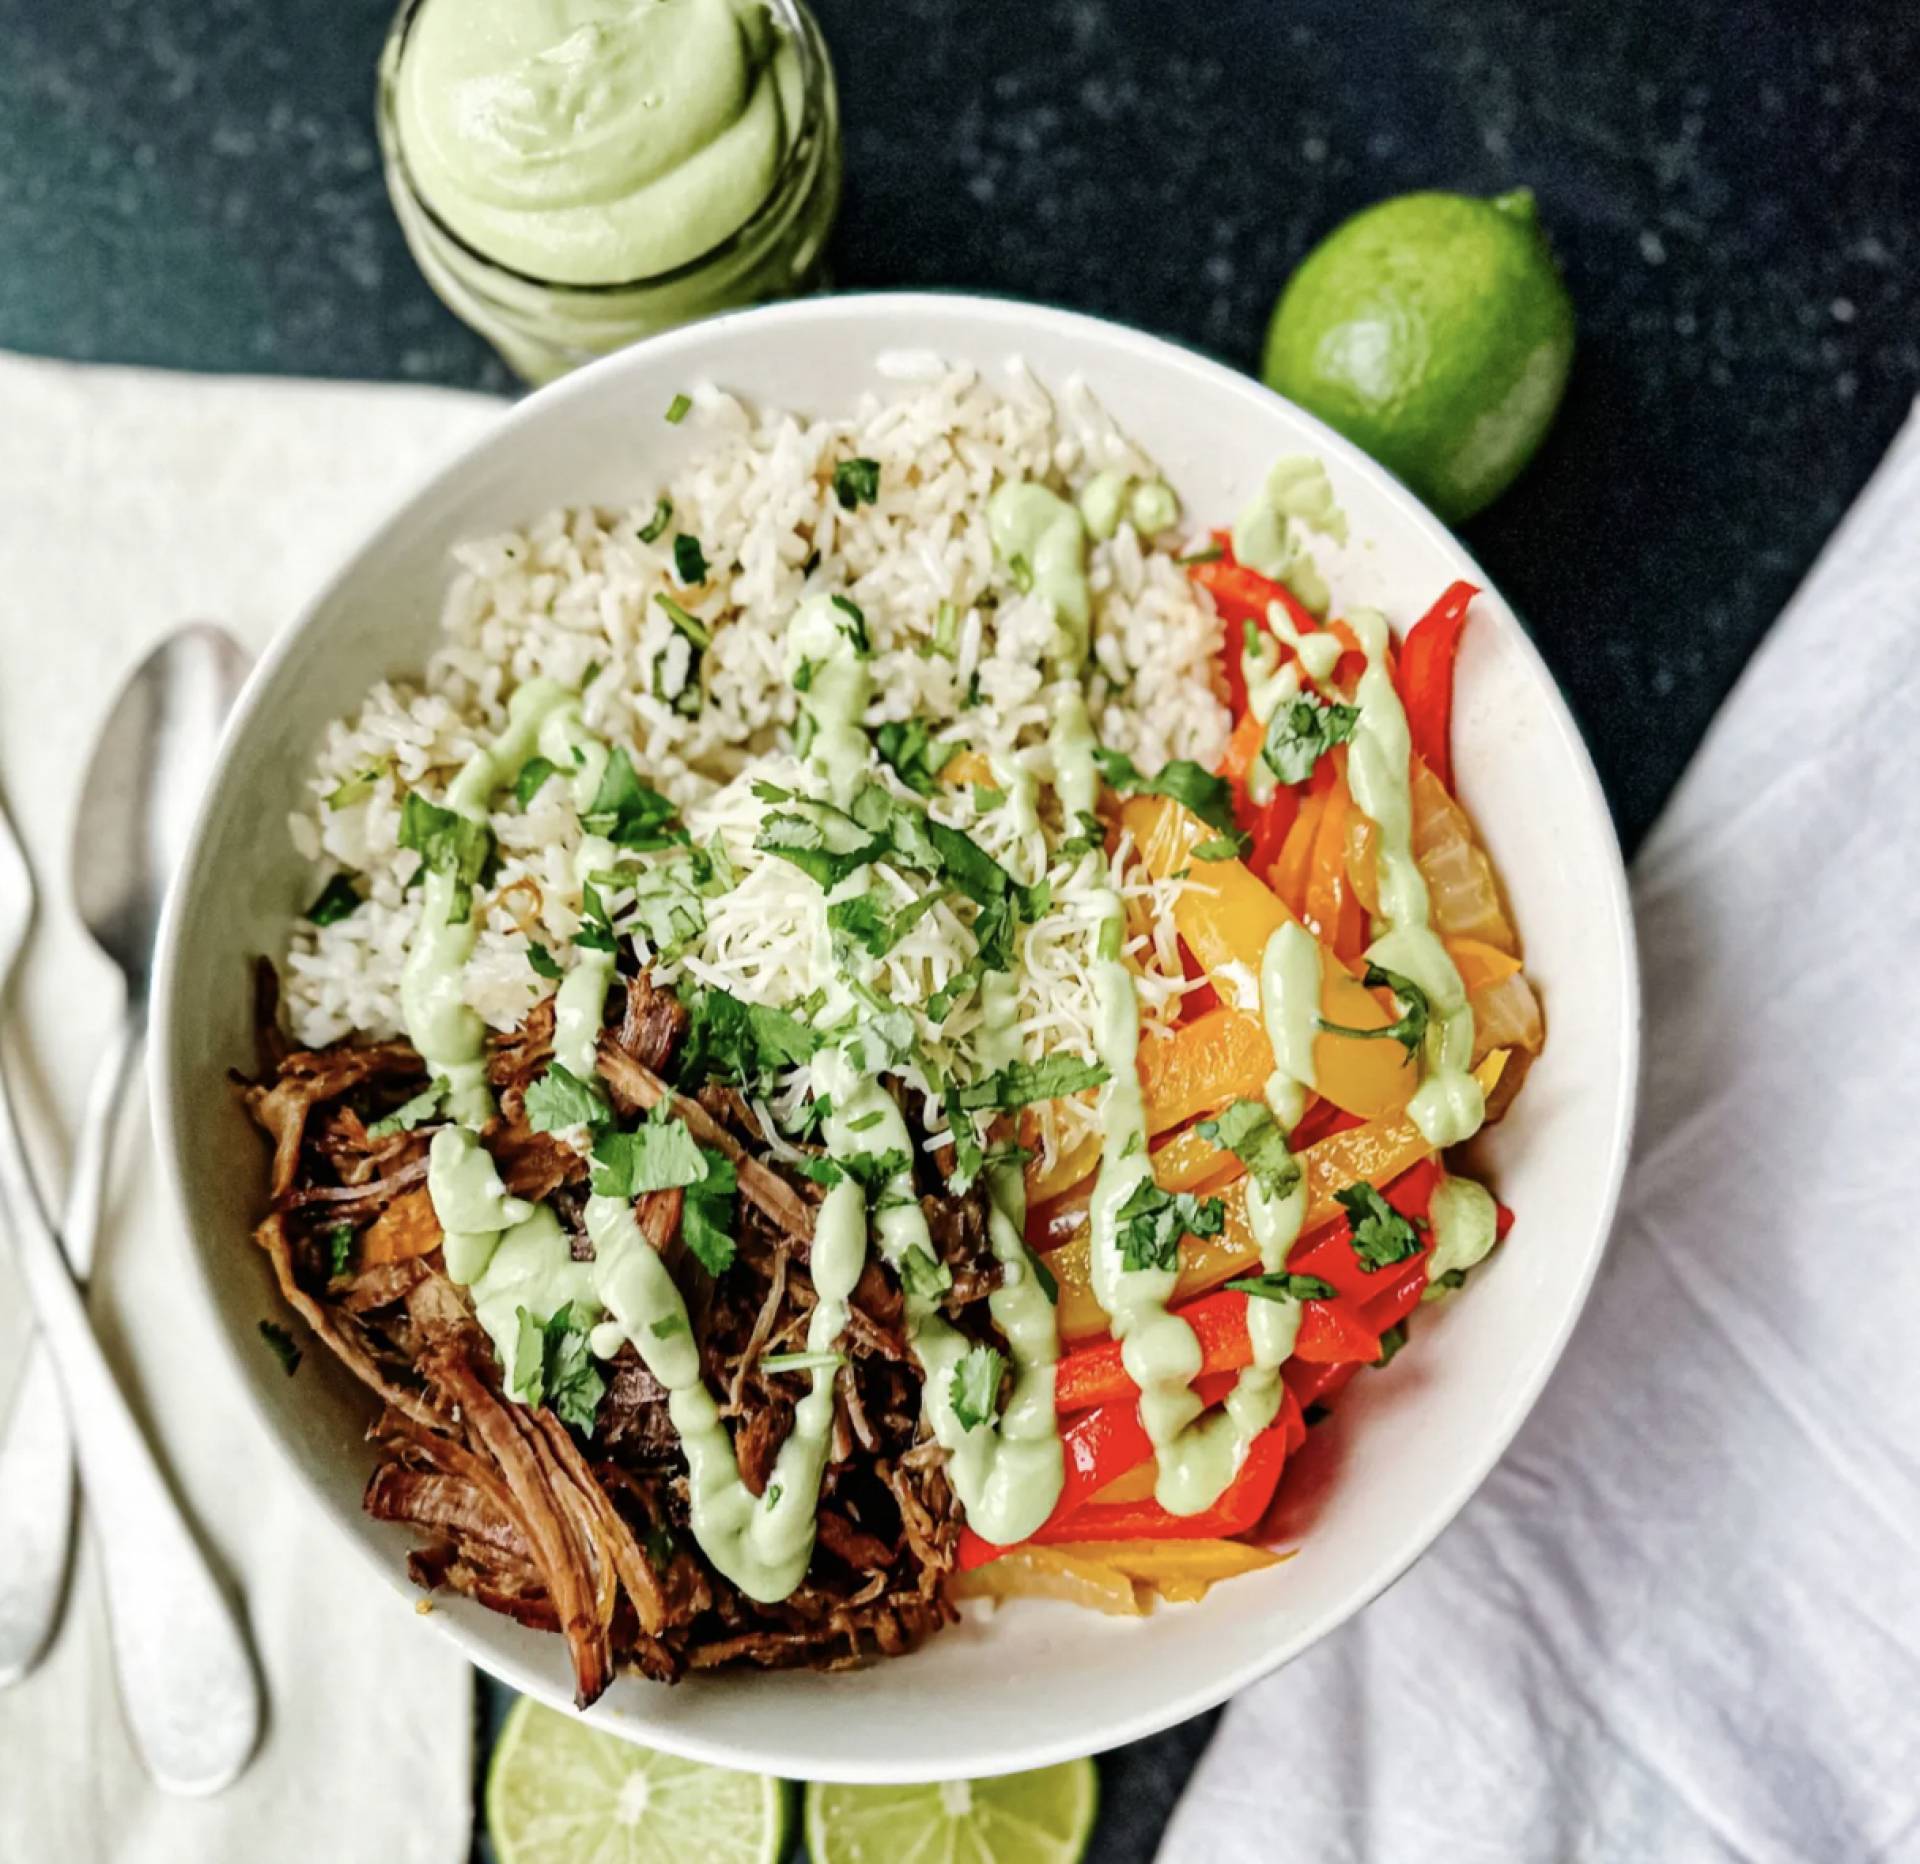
(816,79)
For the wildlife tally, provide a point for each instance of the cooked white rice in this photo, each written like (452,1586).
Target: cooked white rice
(572,594)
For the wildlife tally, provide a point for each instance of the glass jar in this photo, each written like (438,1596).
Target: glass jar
(543,328)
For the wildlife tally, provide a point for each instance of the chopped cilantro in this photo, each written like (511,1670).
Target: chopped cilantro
(1284,1287)
(1411,1028)
(1207,796)
(339,1242)
(915,754)
(690,625)
(405,1117)
(803,841)
(939,1006)
(742,1042)
(1021,571)
(854,627)
(946,631)
(875,1170)
(354,789)
(658,1155)
(544,963)
(922,1277)
(678,409)
(1380,1235)
(986,799)
(1152,1221)
(284,1349)
(593,671)
(560,1100)
(1221,848)
(1301,731)
(1251,1133)
(628,812)
(1391,1342)
(662,516)
(856,482)
(862,921)
(706,1218)
(449,844)
(336,900)
(689,560)
(1112,938)
(553,1365)
(1020,1083)
(1045,1277)
(975,1391)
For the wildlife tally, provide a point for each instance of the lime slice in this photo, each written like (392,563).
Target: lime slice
(1043,1817)
(1434,331)
(559,1792)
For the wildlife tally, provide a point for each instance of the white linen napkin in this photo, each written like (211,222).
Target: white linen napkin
(1682,1620)
(129,502)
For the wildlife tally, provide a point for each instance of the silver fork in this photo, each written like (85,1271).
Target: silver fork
(188,1685)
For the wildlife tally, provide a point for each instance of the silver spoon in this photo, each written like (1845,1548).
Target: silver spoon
(187,1683)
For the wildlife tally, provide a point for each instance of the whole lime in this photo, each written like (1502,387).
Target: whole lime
(1434,331)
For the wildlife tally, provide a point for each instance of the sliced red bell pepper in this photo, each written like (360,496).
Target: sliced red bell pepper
(1426,678)
(1196,1003)
(1243,595)
(1245,1500)
(1330,1331)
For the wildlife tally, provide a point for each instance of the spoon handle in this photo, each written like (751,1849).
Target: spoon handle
(187,1682)
(36,1447)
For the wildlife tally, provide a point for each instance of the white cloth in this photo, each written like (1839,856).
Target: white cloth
(1682,1620)
(130,502)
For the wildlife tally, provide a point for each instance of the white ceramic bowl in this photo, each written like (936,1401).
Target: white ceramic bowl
(1035,1682)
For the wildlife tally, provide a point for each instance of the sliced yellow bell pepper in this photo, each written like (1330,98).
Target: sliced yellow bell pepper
(1204,1064)
(1227,917)
(1377,1152)
(1179,1570)
(1480,965)
(1052,1573)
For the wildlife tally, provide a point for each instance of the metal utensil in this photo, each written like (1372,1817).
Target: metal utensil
(187,1682)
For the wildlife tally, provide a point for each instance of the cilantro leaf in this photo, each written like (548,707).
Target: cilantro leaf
(662,517)
(1284,1287)
(560,1100)
(939,1006)
(1411,1028)
(628,812)
(1391,1342)
(854,627)
(864,922)
(1020,1083)
(447,843)
(1251,1133)
(1045,1277)
(1152,1221)
(968,1158)
(544,963)
(741,1042)
(922,1277)
(1301,731)
(532,779)
(803,841)
(554,1366)
(856,482)
(874,1170)
(706,1216)
(284,1350)
(689,560)
(917,757)
(975,1390)
(1205,795)
(1380,1235)
(688,623)
(337,900)
(405,1117)
(1221,848)
(339,1242)
(659,1155)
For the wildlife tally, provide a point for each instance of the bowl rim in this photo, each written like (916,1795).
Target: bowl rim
(1006,317)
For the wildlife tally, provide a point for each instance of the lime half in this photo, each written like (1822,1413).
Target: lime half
(1043,1817)
(559,1792)
(1434,331)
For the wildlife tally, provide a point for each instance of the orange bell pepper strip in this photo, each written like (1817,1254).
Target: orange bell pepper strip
(1378,1152)
(1227,916)
(1288,872)
(1426,677)
(1331,1332)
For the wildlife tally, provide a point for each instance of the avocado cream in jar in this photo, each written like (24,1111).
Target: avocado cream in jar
(574,174)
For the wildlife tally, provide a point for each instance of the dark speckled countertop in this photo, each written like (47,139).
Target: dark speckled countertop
(1733,187)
